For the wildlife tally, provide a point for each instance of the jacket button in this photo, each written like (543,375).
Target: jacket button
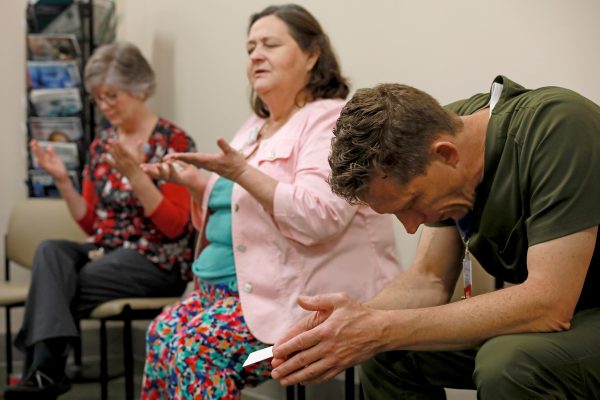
(247,287)
(236,207)
(241,248)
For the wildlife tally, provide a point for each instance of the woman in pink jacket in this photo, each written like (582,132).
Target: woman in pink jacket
(270,227)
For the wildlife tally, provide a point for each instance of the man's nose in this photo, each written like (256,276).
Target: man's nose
(411,221)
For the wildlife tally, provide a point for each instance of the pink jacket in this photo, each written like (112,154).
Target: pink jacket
(315,242)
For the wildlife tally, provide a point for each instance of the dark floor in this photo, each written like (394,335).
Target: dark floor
(87,387)
(91,389)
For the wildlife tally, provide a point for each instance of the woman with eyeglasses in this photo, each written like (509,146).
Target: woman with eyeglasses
(140,236)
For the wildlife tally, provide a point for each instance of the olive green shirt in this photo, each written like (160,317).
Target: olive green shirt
(542,160)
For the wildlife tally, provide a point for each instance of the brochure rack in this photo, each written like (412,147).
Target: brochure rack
(61,36)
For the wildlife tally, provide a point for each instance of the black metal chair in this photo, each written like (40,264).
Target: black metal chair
(298,392)
(125,310)
(34,220)
(31,221)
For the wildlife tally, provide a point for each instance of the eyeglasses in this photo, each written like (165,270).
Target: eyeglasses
(110,99)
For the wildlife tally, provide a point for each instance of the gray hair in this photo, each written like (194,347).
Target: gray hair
(122,65)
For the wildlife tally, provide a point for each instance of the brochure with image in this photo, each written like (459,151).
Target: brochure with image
(66,151)
(42,185)
(56,102)
(65,129)
(53,74)
(53,47)
(67,20)
(40,13)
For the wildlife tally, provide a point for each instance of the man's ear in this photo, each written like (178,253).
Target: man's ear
(446,152)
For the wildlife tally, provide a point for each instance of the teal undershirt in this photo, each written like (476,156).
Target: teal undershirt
(216,263)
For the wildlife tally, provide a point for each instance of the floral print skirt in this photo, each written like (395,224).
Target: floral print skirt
(195,349)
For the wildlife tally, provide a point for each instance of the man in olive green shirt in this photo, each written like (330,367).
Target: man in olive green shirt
(507,177)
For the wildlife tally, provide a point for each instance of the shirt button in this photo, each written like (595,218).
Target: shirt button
(248,287)
(241,248)
(271,155)
(236,207)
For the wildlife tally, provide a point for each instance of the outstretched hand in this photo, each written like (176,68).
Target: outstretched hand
(49,161)
(339,334)
(173,171)
(229,164)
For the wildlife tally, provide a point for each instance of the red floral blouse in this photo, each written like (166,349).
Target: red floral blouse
(115,217)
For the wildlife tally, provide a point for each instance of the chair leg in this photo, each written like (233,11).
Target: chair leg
(290,392)
(128,358)
(498,283)
(77,348)
(301,392)
(349,384)
(9,364)
(103,362)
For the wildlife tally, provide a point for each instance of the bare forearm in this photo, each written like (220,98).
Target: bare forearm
(409,291)
(467,323)
(146,191)
(431,278)
(75,202)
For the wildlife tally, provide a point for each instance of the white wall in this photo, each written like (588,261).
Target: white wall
(13,156)
(452,49)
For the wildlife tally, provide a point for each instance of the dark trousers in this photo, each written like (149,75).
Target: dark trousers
(66,286)
(559,365)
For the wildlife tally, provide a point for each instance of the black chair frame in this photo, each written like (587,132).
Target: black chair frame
(8,308)
(298,392)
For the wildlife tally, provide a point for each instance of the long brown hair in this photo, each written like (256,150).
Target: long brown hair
(326,80)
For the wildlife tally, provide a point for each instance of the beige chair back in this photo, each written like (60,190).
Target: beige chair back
(35,220)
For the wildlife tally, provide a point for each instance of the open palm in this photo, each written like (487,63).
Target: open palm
(229,164)
(49,161)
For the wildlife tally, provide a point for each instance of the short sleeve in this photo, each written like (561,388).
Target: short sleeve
(562,174)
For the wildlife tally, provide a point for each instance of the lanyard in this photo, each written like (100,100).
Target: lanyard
(464,228)
(464,224)
(467,270)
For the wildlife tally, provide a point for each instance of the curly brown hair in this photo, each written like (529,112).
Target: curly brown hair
(386,129)
(326,80)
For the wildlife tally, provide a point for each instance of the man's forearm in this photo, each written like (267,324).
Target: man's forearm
(466,323)
(407,291)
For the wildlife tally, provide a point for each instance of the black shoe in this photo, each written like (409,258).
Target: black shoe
(38,386)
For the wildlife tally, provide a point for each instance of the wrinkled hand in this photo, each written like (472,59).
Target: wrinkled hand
(339,334)
(229,164)
(173,171)
(49,161)
(123,160)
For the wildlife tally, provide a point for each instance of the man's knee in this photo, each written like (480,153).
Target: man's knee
(507,366)
(381,366)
